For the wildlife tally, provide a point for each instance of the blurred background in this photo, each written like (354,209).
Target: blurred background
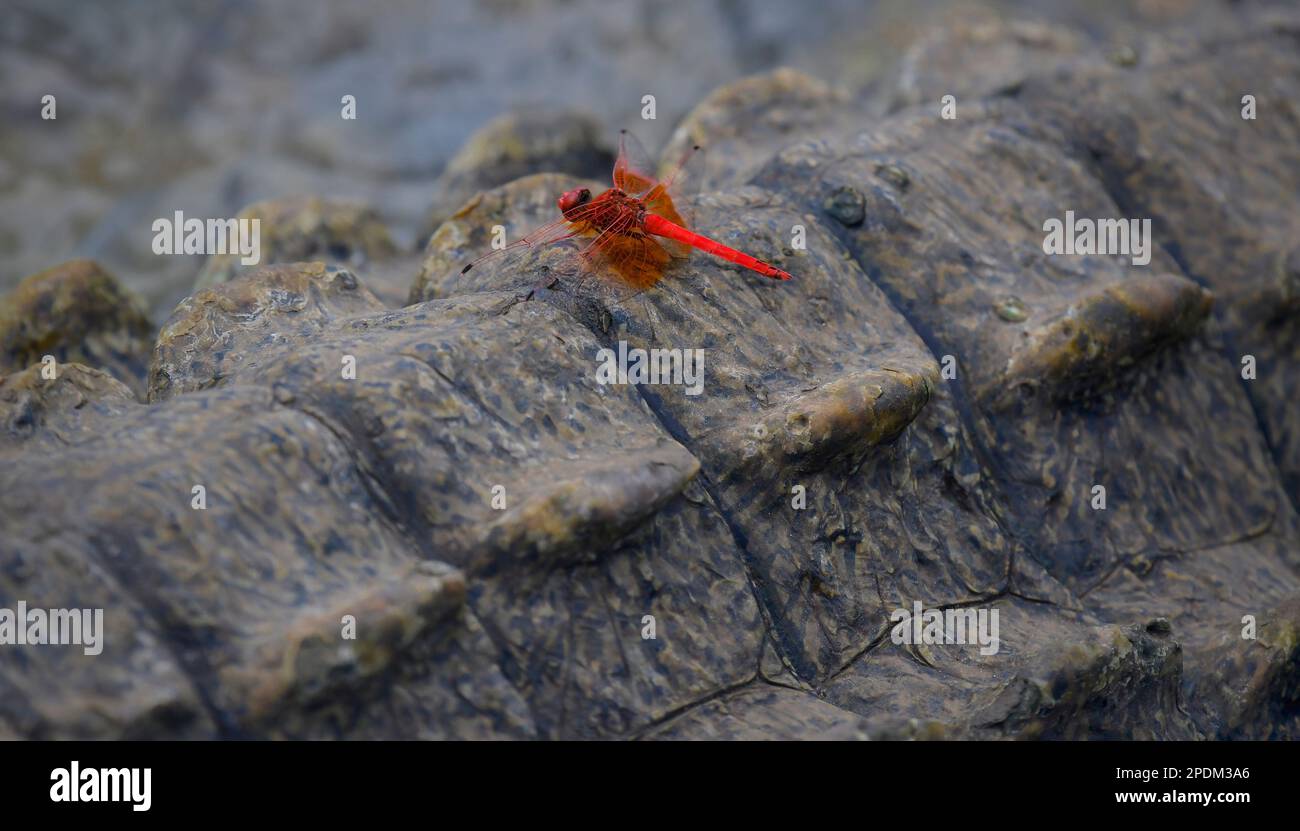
(207,106)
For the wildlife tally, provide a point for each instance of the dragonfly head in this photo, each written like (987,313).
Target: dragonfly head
(573,199)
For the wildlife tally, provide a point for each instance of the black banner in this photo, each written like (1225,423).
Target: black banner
(138,781)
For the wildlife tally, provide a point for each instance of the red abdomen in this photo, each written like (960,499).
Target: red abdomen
(661,227)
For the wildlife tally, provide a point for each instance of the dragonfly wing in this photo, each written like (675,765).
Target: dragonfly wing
(632,174)
(678,191)
(633,169)
(683,180)
(576,225)
(635,259)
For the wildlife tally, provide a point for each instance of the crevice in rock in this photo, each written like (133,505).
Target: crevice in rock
(721,692)
(192,662)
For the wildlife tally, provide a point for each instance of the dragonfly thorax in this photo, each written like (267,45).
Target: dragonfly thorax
(612,208)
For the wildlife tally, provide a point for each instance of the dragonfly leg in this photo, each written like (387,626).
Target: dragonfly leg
(547,284)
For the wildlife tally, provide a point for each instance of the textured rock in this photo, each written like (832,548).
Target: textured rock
(798,393)
(518,207)
(134,689)
(299,229)
(948,270)
(742,124)
(78,313)
(1219,189)
(263,312)
(1006,52)
(1075,354)
(204,576)
(58,411)
(1101,376)
(1058,675)
(519,144)
(762,712)
(372,459)
(601,521)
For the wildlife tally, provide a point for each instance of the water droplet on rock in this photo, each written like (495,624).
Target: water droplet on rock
(847,205)
(1012,310)
(1159,626)
(1125,56)
(894,175)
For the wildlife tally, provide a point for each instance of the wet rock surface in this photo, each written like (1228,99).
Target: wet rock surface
(58,410)
(257,314)
(740,125)
(75,312)
(342,233)
(517,207)
(1219,188)
(1007,52)
(517,145)
(922,415)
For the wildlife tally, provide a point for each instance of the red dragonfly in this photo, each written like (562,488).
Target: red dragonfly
(633,230)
